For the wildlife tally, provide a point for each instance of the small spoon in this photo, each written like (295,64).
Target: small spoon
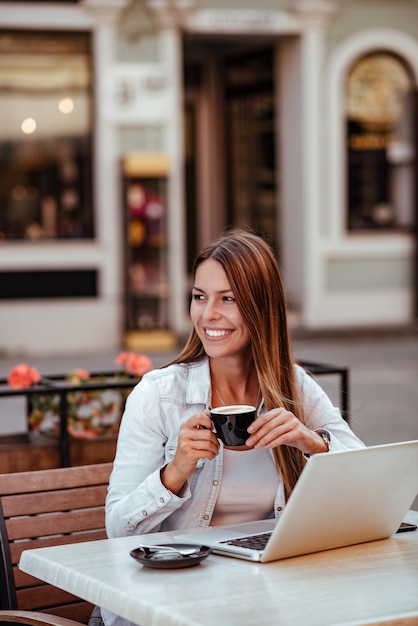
(149,550)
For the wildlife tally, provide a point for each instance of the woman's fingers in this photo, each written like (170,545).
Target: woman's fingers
(196,439)
(276,427)
(280,427)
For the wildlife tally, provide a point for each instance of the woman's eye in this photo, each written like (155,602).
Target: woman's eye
(197,296)
(229,298)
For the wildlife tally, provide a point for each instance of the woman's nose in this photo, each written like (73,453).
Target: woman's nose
(211,311)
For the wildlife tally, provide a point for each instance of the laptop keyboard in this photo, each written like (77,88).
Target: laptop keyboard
(252,542)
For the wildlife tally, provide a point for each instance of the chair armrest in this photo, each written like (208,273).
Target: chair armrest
(33,618)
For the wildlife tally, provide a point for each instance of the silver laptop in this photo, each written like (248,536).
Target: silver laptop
(340,499)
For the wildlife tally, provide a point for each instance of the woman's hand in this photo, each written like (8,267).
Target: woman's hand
(280,427)
(195,441)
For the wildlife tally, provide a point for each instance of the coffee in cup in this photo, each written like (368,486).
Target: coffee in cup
(231,423)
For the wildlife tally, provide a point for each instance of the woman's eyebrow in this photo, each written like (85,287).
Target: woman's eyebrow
(220,290)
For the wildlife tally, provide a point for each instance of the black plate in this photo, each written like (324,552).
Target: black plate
(156,562)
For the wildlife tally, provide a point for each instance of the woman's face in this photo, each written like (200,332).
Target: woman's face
(215,314)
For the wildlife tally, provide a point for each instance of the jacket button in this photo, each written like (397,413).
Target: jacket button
(144,513)
(206,517)
(216,483)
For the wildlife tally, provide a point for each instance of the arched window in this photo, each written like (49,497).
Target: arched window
(380,144)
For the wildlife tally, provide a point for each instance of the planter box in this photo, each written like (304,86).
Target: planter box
(68,423)
(23,453)
(90,414)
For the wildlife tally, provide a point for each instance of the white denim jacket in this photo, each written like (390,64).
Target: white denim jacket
(137,501)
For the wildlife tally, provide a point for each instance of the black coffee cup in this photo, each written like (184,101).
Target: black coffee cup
(231,423)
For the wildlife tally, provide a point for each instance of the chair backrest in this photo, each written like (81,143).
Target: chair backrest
(47,508)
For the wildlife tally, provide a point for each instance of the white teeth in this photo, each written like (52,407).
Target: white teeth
(217,333)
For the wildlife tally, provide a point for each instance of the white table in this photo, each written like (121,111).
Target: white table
(370,583)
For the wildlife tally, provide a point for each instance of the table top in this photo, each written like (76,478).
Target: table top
(370,583)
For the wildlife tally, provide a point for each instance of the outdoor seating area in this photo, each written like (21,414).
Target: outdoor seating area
(209,313)
(372,583)
(63,507)
(48,508)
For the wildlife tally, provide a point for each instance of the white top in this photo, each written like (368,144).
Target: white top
(137,501)
(249,485)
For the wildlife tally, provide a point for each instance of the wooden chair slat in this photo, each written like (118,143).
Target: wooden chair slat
(44,502)
(17,547)
(79,611)
(54,479)
(42,525)
(35,598)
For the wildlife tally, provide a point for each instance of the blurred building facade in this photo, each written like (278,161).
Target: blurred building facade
(133,132)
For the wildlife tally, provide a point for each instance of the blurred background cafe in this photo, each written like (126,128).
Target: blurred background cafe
(133,131)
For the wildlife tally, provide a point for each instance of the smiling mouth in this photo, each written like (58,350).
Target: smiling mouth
(217,333)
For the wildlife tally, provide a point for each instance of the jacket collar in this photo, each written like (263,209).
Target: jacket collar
(198,389)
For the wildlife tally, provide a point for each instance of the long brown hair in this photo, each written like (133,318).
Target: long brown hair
(254,276)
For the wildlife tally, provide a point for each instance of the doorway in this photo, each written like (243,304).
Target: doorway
(230,139)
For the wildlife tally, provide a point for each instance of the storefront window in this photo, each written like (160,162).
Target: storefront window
(45,136)
(381,153)
(145,208)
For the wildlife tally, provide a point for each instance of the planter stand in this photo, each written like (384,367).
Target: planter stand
(64,446)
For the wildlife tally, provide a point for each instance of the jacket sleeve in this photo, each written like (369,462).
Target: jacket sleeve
(137,501)
(321,414)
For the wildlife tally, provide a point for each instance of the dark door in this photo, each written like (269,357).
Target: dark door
(250,142)
(230,121)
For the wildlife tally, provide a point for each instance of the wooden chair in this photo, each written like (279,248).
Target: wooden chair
(31,618)
(47,508)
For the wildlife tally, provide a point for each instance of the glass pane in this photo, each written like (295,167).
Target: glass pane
(251,143)
(45,131)
(147,287)
(380,143)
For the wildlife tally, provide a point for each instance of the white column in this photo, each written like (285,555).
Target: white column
(314,16)
(169,15)
(107,178)
(176,226)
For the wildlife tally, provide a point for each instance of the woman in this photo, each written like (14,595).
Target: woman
(170,470)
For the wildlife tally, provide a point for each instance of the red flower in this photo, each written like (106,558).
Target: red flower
(121,358)
(22,376)
(134,364)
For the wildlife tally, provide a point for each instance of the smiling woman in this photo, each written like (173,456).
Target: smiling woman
(238,352)
(171,471)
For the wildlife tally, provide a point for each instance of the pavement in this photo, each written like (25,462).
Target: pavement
(383,379)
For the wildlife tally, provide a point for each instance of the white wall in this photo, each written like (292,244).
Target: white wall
(360,299)
(73,325)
